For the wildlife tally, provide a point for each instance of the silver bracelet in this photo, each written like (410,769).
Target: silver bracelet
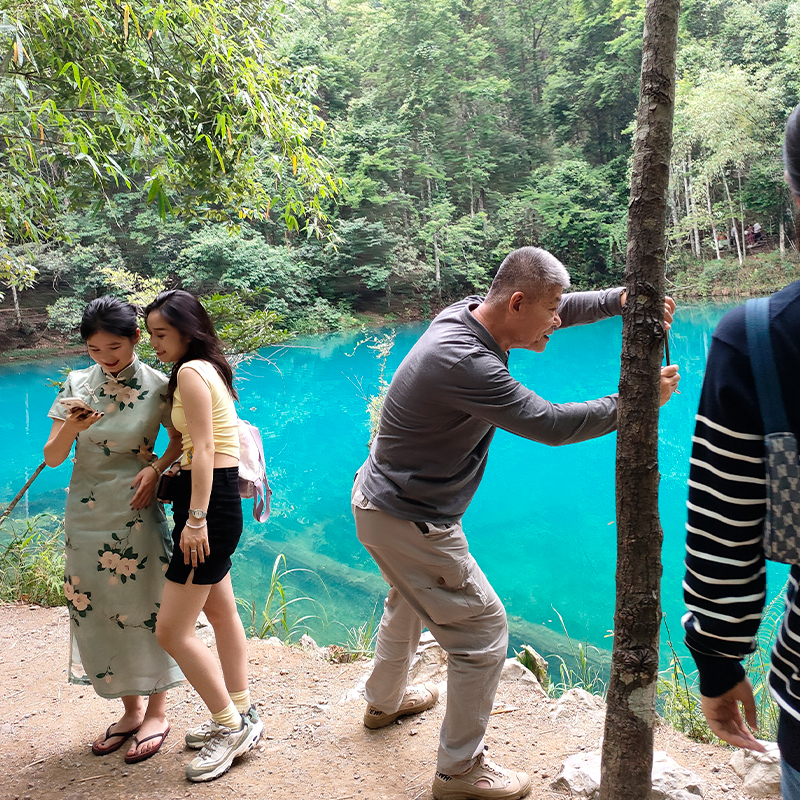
(195,527)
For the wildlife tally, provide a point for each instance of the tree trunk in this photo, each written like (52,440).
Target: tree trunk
(733,218)
(16,305)
(741,217)
(782,235)
(402,185)
(437,265)
(471,199)
(711,219)
(628,741)
(695,227)
(688,207)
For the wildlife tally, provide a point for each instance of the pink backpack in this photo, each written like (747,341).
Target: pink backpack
(253,470)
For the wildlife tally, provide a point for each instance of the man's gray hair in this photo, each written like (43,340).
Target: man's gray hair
(530,270)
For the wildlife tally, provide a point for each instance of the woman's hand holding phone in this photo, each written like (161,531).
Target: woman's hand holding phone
(81,415)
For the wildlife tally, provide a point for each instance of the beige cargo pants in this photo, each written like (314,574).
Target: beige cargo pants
(435,583)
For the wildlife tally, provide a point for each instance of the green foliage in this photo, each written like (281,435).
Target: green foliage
(188,99)
(322,316)
(763,273)
(678,695)
(459,131)
(359,642)
(581,672)
(381,345)
(679,702)
(278,616)
(32,562)
(65,314)
(243,328)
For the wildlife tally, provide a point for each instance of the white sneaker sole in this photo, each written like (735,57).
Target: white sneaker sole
(248,744)
(197,744)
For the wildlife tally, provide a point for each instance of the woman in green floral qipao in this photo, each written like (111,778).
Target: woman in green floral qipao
(117,541)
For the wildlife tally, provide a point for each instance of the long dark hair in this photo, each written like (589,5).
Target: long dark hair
(109,315)
(185,313)
(791,151)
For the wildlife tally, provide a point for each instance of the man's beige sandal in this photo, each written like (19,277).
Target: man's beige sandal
(485,781)
(416,700)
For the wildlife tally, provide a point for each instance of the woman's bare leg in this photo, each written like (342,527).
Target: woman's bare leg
(181,605)
(220,608)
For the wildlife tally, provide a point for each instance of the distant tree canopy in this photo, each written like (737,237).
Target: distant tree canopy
(459,129)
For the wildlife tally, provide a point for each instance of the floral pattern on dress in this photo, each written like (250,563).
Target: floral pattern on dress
(144,452)
(121,621)
(78,602)
(125,393)
(106,446)
(90,500)
(105,676)
(120,560)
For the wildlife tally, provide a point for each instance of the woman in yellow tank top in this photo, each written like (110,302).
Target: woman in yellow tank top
(207,513)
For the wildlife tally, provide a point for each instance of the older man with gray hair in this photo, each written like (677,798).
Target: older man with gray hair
(447,398)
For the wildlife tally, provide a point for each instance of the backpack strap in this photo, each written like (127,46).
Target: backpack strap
(762,362)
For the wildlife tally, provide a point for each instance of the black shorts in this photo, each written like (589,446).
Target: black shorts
(224,523)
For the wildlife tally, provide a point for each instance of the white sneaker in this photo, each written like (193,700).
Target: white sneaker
(198,736)
(221,749)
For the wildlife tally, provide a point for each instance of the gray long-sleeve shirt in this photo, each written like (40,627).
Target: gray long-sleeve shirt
(447,398)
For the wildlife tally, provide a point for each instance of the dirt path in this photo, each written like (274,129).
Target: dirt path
(314,747)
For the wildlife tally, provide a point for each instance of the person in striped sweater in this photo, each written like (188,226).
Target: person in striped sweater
(725,584)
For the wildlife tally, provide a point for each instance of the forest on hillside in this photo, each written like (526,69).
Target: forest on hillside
(324,156)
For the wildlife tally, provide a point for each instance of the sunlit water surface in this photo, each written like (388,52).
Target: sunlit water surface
(541,525)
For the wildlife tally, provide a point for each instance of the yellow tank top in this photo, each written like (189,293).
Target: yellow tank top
(224,420)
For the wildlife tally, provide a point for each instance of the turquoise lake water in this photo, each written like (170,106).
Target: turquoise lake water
(541,525)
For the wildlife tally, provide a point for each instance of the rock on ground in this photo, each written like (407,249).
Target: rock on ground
(580,777)
(760,772)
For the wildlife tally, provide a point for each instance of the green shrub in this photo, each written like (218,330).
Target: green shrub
(586,671)
(65,314)
(322,316)
(32,562)
(679,697)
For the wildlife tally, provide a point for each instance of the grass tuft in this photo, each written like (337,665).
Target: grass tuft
(32,561)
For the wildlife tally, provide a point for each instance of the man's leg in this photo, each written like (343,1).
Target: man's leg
(476,652)
(441,584)
(398,637)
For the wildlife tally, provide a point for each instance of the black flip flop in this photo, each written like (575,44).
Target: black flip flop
(123,737)
(137,757)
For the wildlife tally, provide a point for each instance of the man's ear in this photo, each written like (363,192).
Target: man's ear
(515,302)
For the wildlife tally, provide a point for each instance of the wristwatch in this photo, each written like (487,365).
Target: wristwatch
(198,513)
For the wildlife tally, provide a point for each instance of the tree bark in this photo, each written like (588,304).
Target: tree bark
(741,217)
(695,227)
(733,218)
(711,219)
(17,312)
(21,492)
(688,207)
(437,266)
(628,741)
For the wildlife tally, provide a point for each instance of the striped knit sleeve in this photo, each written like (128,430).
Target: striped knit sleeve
(725,583)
